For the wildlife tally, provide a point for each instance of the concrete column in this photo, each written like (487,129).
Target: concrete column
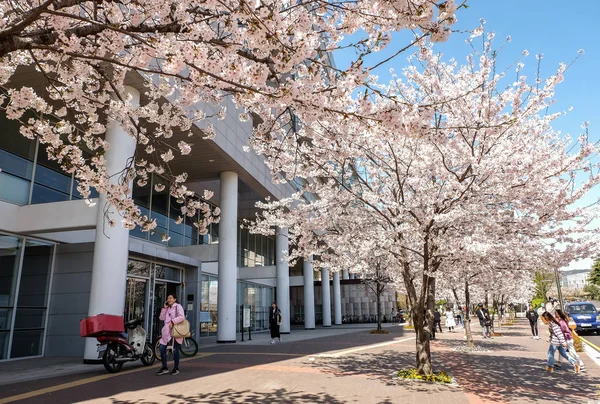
(359,308)
(345,274)
(227,287)
(111,248)
(283,278)
(337,299)
(326,297)
(309,295)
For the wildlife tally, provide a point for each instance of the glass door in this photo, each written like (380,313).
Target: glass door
(160,297)
(135,299)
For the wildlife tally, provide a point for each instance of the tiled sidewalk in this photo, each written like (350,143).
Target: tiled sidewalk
(338,367)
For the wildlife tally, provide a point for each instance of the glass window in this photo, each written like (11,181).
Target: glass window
(35,274)
(160,203)
(14,189)
(51,184)
(9,268)
(141,197)
(191,232)
(15,165)
(214,233)
(12,141)
(159,210)
(168,273)
(175,230)
(138,268)
(16,162)
(27,343)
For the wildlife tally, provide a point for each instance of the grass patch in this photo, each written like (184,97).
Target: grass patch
(409,327)
(436,377)
(378,332)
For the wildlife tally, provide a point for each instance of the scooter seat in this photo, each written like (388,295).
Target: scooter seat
(134,323)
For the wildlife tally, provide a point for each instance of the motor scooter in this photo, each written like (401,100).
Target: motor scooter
(119,347)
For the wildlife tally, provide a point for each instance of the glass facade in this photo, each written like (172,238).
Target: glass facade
(28,176)
(258,297)
(25,270)
(165,209)
(253,249)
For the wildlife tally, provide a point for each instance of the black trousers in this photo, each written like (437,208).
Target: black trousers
(437,324)
(534,329)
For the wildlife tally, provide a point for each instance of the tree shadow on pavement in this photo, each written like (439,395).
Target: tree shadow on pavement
(230,396)
(382,366)
(505,378)
(496,378)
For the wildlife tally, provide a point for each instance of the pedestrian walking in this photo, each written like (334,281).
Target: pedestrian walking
(393,316)
(563,321)
(172,313)
(275,319)
(533,316)
(557,342)
(437,320)
(450,322)
(457,316)
(484,320)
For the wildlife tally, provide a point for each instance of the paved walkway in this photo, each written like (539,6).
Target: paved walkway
(339,366)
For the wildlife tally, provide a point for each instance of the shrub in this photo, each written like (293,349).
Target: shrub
(435,377)
(578,343)
(378,332)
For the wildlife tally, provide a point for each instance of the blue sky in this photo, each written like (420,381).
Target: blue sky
(556,29)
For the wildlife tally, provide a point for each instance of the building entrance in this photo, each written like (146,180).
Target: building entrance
(148,285)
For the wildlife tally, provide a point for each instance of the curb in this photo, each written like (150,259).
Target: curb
(592,351)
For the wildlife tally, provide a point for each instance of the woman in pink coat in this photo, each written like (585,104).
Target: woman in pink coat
(172,313)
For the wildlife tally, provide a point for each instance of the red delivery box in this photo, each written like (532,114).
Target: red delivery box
(102,323)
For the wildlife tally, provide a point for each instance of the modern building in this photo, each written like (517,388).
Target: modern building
(575,279)
(60,262)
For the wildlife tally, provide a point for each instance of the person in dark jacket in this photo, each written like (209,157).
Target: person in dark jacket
(533,316)
(484,320)
(437,320)
(274,322)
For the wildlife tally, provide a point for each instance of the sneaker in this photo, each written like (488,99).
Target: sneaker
(577,368)
(272,342)
(280,339)
(549,369)
(162,371)
(174,372)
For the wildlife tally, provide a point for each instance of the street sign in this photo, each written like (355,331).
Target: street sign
(246,318)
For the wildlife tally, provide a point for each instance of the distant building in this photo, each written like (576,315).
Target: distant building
(576,279)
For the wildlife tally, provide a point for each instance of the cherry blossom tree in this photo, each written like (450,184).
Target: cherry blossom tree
(271,58)
(454,151)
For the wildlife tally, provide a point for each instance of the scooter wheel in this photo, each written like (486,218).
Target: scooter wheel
(148,356)
(109,360)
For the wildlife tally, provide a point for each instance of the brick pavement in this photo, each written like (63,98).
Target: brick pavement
(334,369)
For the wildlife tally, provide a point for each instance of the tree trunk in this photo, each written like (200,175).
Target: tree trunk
(423,356)
(470,342)
(378,307)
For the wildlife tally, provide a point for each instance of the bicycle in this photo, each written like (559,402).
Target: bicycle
(188,348)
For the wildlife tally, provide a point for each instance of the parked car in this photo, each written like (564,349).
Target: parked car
(585,315)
